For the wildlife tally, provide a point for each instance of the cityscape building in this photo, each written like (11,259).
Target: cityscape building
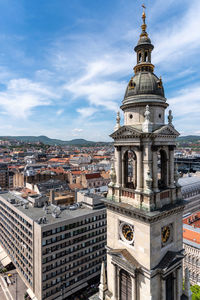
(191,244)
(55,250)
(4,176)
(144,203)
(55,235)
(190,188)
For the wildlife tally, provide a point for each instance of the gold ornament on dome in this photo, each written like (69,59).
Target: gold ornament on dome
(131,84)
(160,83)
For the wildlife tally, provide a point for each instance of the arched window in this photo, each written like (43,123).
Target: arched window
(139,57)
(130,170)
(162,170)
(146,56)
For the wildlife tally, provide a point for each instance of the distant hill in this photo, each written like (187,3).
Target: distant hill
(189,139)
(48,141)
(80,142)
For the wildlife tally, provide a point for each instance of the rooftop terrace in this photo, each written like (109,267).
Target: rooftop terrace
(47,214)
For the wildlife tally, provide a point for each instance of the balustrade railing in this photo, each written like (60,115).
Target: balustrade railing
(128,193)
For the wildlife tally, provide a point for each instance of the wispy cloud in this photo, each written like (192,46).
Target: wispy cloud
(179,40)
(86,112)
(186,102)
(87,70)
(186,109)
(59,112)
(22,95)
(78,130)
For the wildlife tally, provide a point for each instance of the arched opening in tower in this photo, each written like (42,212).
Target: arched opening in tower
(130,170)
(146,56)
(139,57)
(162,170)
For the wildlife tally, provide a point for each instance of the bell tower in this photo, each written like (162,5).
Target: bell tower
(144,203)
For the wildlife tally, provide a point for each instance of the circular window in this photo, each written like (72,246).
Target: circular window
(131,116)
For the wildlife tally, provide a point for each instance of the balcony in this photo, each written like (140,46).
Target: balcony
(129,193)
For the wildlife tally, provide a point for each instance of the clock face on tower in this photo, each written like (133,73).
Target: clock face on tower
(166,234)
(126,232)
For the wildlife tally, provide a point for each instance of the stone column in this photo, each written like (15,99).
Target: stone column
(139,171)
(163,289)
(155,170)
(171,167)
(178,284)
(115,283)
(119,166)
(134,288)
(123,172)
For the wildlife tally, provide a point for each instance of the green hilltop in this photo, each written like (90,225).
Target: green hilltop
(48,141)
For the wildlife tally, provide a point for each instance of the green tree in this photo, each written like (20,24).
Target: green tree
(195,289)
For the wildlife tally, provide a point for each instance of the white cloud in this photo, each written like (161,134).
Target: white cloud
(186,109)
(179,39)
(92,67)
(186,102)
(59,112)
(86,111)
(104,94)
(77,130)
(23,95)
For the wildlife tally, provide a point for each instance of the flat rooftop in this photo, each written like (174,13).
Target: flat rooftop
(188,180)
(35,213)
(191,230)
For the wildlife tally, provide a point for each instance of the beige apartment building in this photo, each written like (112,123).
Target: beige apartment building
(55,250)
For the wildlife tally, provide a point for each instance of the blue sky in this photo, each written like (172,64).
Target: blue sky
(65,64)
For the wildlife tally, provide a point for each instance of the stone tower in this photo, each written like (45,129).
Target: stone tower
(144,204)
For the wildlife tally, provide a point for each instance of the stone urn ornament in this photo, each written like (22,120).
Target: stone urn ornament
(112,175)
(176,176)
(149,181)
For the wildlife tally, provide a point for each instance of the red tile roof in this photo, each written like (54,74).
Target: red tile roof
(93,176)
(191,235)
(76,172)
(193,220)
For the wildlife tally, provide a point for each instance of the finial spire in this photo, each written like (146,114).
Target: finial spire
(103,282)
(144,26)
(144,14)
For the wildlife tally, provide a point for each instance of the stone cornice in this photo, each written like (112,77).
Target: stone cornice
(142,215)
(128,133)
